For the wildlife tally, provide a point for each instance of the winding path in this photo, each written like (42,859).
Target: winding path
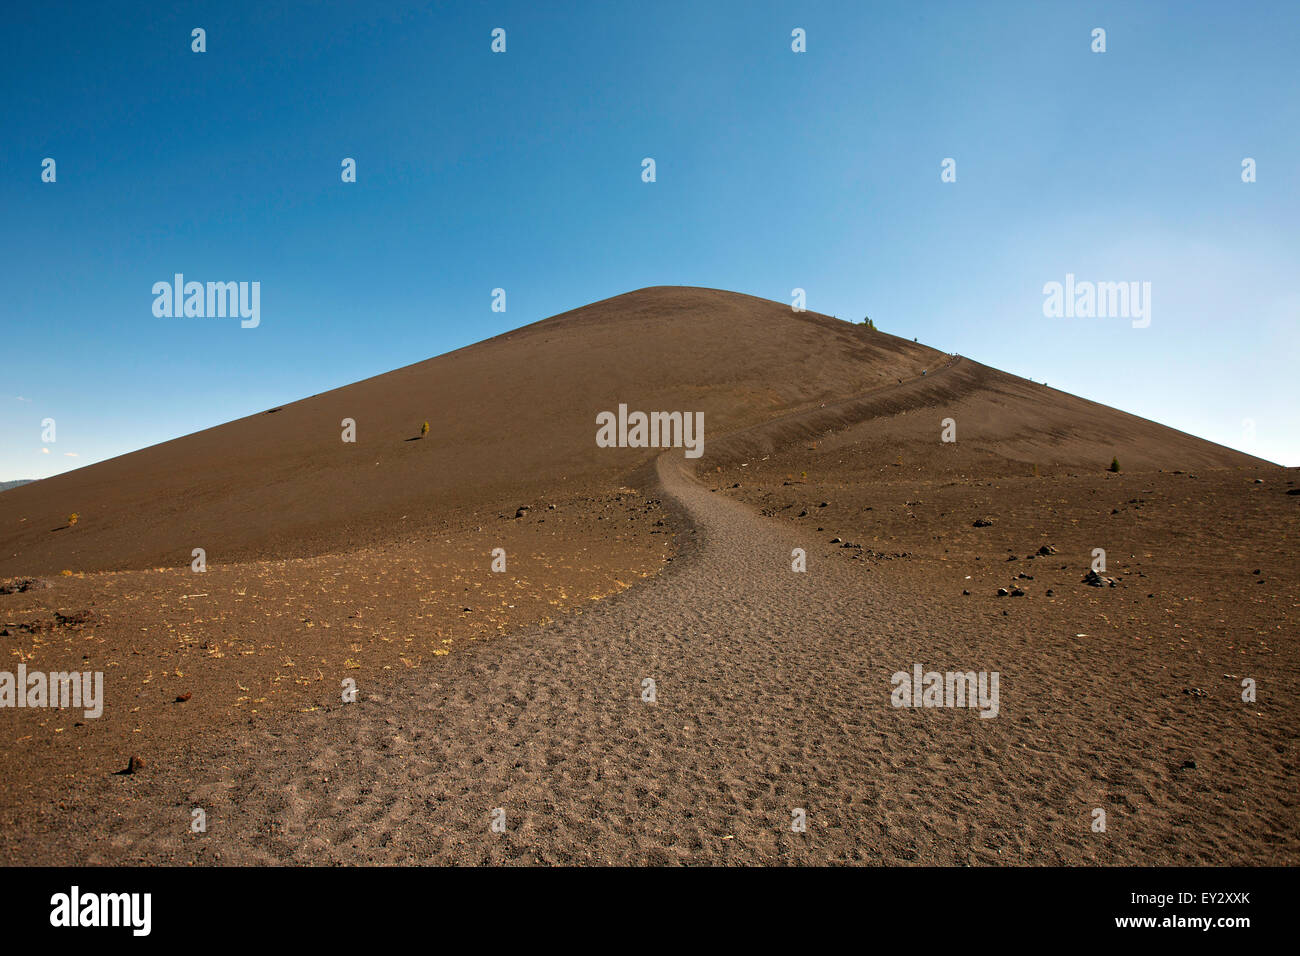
(772,694)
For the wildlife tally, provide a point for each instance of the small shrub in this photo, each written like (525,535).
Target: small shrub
(424,429)
(1114,464)
(72,518)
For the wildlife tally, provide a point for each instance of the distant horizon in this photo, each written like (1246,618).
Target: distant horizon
(256,410)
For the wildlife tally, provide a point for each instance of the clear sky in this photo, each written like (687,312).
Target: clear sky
(775,170)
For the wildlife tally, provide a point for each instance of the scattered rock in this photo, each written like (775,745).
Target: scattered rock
(73,619)
(983,522)
(1017,592)
(1046,550)
(133,765)
(1003,592)
(182,698)
(1050,592)
(1098,581)
(20,585)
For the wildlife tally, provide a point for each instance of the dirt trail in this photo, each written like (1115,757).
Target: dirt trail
(756,713)
(772,693)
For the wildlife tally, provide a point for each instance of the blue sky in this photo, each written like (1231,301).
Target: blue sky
(522,170)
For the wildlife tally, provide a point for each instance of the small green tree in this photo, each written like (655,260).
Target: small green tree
(1114,464)
(869,324)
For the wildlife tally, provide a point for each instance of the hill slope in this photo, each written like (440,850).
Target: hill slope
(514,416)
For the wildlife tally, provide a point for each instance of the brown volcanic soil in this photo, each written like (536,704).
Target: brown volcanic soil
(773,686)
(274,635)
